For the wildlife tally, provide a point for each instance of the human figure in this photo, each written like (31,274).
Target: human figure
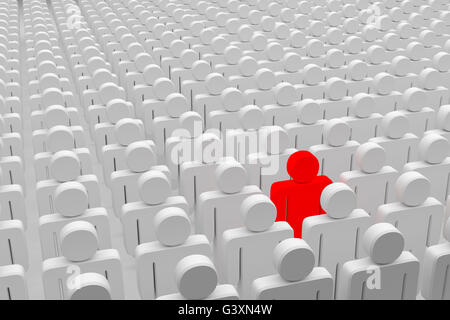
(299,197)
(246,252)
(435,265)
(336,154)
(421,118)
(296,277)
(268,165)
(308,131)
(388,273)
(399,144)
(372,174)
(442,122)
(154,191)
(196,278)
(80,255)
(363,121)
(434,164)
(416,215)
(156,261)
(336,236)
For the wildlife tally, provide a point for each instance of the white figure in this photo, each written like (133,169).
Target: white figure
(156,261)
(246,253)
(196,279)
(195,175)
(363,121)
(113,153)
(239,143)
(371,174)
(269,164)
(12,283)
(435,267)
(335,103)
(50,225)
(400,145)
(434,164)
(138,217)
(388,273)
(67,185)
(218,210)
(296,277)
(337,153)
(417,215)
(58,138)
(226,117)
(336,236)
(421,118)
(140,157)
(386,98)
(308,131)
(284,111)
(13,244)
(80,255)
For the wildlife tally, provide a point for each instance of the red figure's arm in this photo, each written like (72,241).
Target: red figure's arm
(278,195)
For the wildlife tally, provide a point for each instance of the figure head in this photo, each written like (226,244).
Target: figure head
(65,166)
(172,226)
(395,125)
(294,259)
(384,83)
(285,94)
(232,99)
(370,157)
(140,156)
(231,176)
(215,83)
(383,243)
(200,70)
(335,89)
(154,187)
(128,131)
(117,109)
(336,132)
(162,88)
(433,148)
(90,286)
(312,74)
(247,66)
(274,140)
(196,277)
(59,138)
(259,213)
(338,200)
(56,115)
(79,241)
(308,111)
(414,99)
(251,117)
(412,189)
(302,166)
(71,199)
(265,79)
(176,104)
(362,105)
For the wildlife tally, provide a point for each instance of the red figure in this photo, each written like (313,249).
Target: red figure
(299,198)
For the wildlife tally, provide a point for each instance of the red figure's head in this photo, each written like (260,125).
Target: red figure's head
(302,166)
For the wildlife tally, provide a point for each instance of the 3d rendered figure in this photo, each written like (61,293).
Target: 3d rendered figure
(246,252)
(299,197)
(372,173)
(414,208)
(388,273)
(336,236)
(296,278)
